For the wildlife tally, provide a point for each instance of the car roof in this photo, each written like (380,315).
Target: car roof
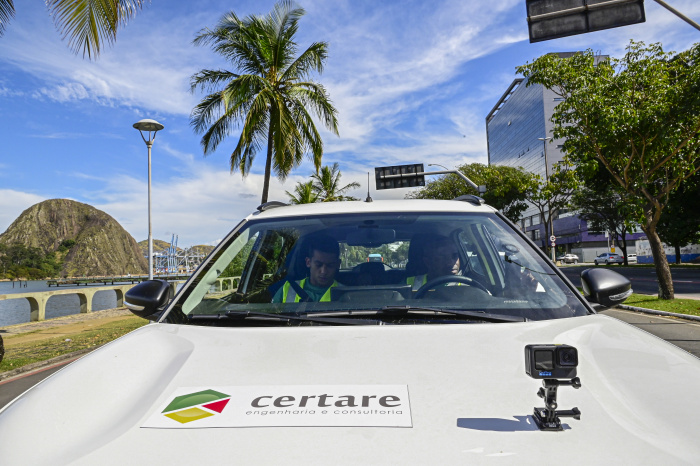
(360,207)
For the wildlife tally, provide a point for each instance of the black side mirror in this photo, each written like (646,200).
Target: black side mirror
(147,297)
(605,287)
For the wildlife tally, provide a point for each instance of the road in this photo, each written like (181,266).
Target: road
(682,333)
(686,280)
(11,388)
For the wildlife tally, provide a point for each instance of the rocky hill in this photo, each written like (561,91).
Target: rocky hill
(101,246)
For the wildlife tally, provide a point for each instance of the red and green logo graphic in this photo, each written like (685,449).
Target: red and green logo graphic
(196,406)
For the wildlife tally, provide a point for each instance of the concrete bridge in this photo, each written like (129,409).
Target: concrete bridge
(226,283)
(37,299)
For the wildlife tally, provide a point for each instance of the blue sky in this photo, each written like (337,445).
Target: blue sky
(412,80)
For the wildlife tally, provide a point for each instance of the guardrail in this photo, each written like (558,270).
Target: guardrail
(112,280)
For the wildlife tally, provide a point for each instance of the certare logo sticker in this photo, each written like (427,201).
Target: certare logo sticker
(283,406)
(196,406)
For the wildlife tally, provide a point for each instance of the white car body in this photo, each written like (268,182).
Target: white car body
(467,397)
(470,399)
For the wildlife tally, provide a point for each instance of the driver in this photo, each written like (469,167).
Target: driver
(440,257)
(323,262)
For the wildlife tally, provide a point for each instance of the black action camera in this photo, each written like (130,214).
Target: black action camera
(551,361)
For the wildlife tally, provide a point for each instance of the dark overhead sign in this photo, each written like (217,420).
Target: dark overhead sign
(551,19)
(399,176)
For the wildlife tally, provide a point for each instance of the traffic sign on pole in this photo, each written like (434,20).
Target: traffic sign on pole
(552,238)
(553,244)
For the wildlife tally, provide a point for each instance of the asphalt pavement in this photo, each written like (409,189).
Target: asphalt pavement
(686,280)
(682,333)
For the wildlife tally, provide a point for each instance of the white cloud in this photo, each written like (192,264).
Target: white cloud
(13,203)
(63,92)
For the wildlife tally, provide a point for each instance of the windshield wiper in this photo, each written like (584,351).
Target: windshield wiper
(264,316)
(397,311)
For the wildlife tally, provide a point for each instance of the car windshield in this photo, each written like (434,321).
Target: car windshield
(399,268)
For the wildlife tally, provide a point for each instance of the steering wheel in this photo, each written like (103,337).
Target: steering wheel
(447,279)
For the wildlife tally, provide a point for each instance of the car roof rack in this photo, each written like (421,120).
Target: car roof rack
(471,198)
(271,205)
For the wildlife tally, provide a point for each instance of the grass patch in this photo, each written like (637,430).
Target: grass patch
(22,354)
(678,305)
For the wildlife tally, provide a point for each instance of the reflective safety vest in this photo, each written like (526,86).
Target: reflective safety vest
(289,294)
(417,281)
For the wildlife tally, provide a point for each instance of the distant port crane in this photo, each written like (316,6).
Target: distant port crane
(172,260)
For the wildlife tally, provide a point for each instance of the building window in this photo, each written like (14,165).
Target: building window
(536,234)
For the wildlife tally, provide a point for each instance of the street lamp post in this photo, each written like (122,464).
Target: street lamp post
(480,189)
(549,205)
(150,126)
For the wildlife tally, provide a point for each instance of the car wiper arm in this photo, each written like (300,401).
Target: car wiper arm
(403,310)
(481,315)
(292,318)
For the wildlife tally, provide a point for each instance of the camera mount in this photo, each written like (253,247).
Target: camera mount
(547,418)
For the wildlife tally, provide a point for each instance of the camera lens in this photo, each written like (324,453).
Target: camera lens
(567,356)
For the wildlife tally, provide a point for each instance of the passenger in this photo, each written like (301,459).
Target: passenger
(440,258)
(323,261)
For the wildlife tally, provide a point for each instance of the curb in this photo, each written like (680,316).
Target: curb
(659,313)
(25,370)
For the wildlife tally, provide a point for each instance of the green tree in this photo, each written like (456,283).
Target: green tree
(605,207)
(679,224)
(639,116)
(270,94)
(326,184)
(87,24)
(506,187)
(552,195)
(304,193)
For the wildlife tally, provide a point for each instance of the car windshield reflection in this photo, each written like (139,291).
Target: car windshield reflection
(347,262)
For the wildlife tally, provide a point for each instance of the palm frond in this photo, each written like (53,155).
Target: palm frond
(87,24)
(311,59)
(7,12)
(315,95)
(303,194)
(208,79)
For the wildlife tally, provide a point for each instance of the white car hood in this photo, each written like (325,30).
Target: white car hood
(470,399)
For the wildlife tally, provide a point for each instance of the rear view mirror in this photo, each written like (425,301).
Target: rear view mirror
(605,287)
(147,297)
(371,237)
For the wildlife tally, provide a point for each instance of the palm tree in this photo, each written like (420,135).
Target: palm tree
(326,183)
(270,95)
(303,194)
(86,23)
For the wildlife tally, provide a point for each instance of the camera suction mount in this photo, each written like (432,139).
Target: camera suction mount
(547,418)
(555,365)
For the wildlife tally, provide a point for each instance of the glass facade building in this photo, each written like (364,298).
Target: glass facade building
(515,129)
(515,125)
